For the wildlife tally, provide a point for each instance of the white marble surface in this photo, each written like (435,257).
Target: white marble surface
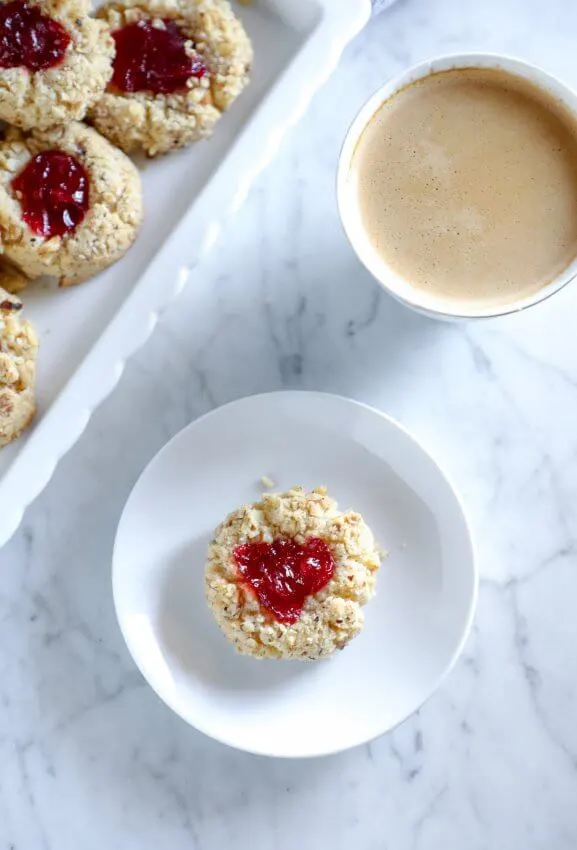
(89,758)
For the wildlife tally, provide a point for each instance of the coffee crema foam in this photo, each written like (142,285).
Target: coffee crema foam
(467,188)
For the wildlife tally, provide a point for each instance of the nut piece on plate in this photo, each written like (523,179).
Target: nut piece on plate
(179,64)
(18,349)
(70,202)
(55,61)
(287,577)
(11,279)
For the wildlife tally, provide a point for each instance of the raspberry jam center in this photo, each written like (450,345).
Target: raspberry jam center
(152,59)
(284,573)
(30,39)
(53,190)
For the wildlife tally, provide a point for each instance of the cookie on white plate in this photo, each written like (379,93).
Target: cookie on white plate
(55,61)
(287,577)
(18,350)
(178,65)
(70,202)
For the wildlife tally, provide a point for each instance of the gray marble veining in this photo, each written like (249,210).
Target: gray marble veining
(90,758)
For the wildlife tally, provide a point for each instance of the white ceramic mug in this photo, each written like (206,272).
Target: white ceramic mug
(348,196)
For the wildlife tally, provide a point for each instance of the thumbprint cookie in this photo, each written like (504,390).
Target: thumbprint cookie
(178,65)
(55,61)
(18,350)
(70,202)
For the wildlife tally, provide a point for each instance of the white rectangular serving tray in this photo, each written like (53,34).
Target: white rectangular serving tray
(88,332)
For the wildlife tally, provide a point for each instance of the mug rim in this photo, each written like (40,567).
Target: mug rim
(552,85)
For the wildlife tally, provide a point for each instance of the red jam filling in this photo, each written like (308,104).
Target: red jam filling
(152,59)
(283,573)
(30,39)
(53,190)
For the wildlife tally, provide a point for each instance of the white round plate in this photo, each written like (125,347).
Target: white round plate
(415,627)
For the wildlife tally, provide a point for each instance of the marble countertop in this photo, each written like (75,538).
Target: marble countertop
(90,758)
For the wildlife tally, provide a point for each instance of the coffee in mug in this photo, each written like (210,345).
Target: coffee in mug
(465,184)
